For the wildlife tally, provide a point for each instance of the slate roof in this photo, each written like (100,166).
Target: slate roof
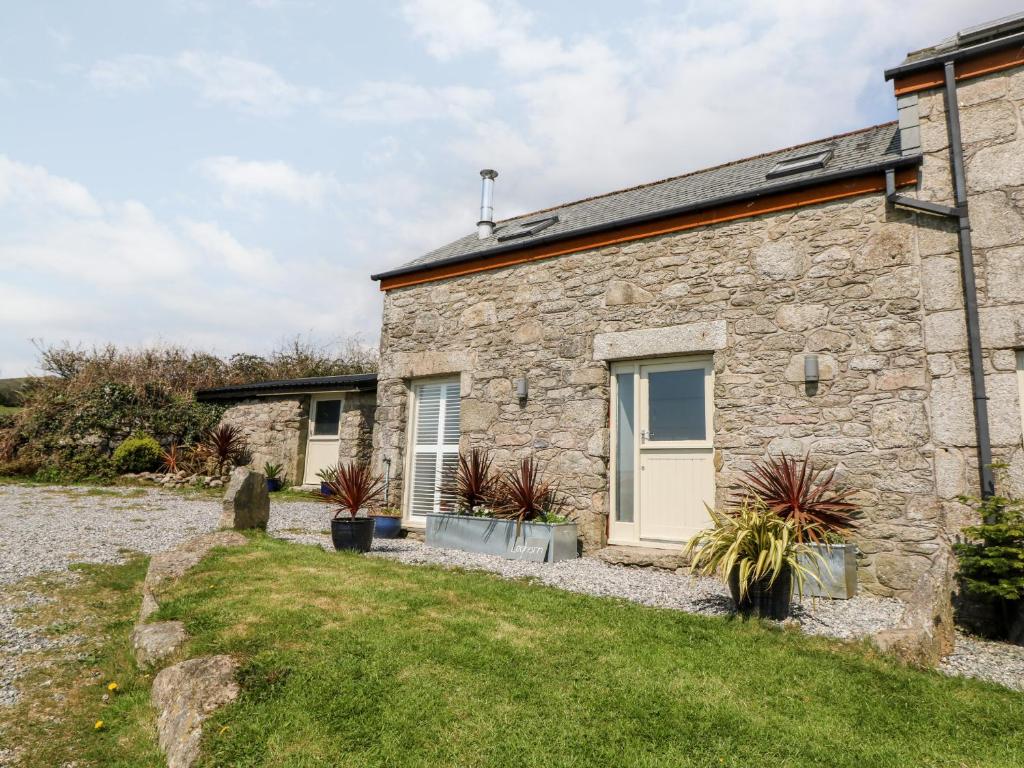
(968,42)
(852,153)
(360,382)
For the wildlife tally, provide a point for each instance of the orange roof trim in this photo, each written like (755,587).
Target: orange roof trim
(968,69)
(855,186)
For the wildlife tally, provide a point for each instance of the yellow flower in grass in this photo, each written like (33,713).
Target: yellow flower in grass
(112,687)
(99,725)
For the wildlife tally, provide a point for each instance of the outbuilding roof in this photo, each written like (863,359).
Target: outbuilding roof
(849,154)
(358,382)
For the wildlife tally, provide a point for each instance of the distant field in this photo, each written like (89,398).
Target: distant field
(8,409)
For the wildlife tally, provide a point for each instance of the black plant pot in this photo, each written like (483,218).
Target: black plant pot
(273,484)
(761,600)
(352,533)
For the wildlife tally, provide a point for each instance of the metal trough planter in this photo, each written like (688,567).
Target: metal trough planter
(838,573)
(540,542)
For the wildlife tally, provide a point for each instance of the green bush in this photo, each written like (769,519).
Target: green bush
(137,454)
(992,555)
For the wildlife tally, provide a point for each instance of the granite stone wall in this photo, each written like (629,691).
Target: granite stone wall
(991,113)
(872,290)
(276,428)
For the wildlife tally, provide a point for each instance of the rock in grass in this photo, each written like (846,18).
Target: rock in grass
(247,502)
(184,696)
(152,643)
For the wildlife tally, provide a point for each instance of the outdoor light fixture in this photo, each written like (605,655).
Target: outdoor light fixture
(522,389)
(811,369)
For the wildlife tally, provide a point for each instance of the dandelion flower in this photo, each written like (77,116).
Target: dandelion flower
(99,725)
(112,687)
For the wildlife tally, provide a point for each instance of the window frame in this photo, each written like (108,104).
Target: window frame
(408,518)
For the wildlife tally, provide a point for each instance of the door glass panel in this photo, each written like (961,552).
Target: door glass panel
(327,417)
(676,405)
(624,442)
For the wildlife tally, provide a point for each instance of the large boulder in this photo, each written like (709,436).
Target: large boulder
(247,502)
(926,633)
(184,696)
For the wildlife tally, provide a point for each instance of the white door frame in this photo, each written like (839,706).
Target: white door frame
(629,533)
(408,519)
(309,477)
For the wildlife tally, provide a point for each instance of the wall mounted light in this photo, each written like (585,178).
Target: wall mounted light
(811,369)
(522,388)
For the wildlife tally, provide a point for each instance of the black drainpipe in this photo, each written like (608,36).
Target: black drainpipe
(962,215)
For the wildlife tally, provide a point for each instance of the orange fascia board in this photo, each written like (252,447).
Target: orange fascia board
(854,186)
(968,69)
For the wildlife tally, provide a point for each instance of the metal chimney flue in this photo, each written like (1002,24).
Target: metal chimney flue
(485,227)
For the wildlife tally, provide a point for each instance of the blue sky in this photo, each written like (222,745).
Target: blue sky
(227,174)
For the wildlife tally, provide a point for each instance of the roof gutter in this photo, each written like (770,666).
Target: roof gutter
(941,59)
(961,214)
(892,163)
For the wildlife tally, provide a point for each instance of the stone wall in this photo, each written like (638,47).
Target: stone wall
(275,428)
(872,290)
(991,110)
(839,279)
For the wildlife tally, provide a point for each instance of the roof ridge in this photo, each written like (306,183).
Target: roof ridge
(698,171)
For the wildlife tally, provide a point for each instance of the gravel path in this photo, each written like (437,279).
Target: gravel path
(45,529)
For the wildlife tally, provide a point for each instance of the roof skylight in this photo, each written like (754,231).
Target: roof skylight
(528,228)
(800,164)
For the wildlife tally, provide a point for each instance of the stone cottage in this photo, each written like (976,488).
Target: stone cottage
(304,425)
(860,298)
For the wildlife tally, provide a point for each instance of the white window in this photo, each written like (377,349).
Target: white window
(434,447)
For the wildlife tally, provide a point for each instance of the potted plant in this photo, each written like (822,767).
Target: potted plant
(274,479)
(475,485)
(757,553)
(821,512)
(354,489)
(517,515)
(327,476)
(389,523)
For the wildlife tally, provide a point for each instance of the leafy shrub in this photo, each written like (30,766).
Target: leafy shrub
(137,454)
(797,491)
(93,399)
(755,543)
(992,555)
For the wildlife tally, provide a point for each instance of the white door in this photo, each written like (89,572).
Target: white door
(434,427)
(662,453)
(322,444)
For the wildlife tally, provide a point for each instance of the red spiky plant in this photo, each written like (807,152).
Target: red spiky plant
(475,483)
(354,487)
(524,495)
(796,490)
(171,459)
(225,444)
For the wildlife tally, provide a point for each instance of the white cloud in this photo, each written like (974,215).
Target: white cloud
(394,102)
(252,263)
(95,271)
(31,185)
(240,179)
(247,85)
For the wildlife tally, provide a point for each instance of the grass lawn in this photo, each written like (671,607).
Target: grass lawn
(357,661)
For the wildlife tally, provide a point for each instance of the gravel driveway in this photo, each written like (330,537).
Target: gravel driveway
(45,529)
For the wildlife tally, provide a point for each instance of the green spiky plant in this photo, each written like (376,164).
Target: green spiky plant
(755,543)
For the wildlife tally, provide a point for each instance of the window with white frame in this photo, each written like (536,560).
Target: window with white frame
(434,446)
